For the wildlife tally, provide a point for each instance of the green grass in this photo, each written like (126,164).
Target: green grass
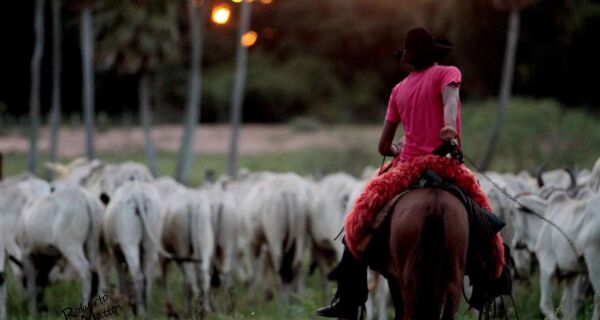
(534,131)
(250,305)
(303,162)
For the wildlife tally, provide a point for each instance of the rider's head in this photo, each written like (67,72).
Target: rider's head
(422,50)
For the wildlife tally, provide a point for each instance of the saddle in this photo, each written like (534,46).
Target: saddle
(482,228)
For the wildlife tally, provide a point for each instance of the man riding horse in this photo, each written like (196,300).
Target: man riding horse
(427,103)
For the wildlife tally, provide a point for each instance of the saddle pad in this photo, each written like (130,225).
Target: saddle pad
(381,189)
(377,222)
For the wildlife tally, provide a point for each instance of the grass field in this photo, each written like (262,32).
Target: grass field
(536,131)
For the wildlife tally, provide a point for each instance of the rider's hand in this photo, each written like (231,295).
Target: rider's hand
(448,133)
(396,148)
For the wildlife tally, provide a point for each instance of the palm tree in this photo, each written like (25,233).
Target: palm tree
(86,40)
(237,97)
(196,17)
(56,80)
(508,67)
(135,38)
(34,95)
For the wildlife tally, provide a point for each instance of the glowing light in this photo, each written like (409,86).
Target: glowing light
(220,14)
(249,39)
(237,1)
(266,1)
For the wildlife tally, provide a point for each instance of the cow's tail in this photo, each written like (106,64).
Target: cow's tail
(194,211)
(291,208)
(142,211)
(92,243)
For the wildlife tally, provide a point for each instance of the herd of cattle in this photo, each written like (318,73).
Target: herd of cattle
(97,218)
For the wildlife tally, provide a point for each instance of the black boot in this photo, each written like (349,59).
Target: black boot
(352,289)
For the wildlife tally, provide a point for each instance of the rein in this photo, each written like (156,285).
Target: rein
(524,207)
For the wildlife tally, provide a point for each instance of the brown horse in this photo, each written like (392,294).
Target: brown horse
(429,232)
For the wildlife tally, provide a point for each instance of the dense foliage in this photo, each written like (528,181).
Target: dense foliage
(329,59)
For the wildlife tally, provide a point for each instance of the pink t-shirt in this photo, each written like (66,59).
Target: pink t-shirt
(417,102)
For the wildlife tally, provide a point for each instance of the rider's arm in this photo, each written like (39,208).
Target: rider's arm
(451,97)
(386,147)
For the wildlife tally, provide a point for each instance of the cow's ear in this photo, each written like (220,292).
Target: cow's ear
(104,198)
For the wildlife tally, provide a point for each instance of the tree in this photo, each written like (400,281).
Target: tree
(87,65)
(196,17)
(86,39)
(34,95)
(135,38)
(56,78)
(237,97)
(508,67)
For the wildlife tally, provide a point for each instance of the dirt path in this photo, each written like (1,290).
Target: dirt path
(214,139)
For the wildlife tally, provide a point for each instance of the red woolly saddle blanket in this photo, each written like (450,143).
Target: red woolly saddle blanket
(383,188)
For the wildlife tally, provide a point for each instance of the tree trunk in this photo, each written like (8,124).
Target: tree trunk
(56,79)
(238,88)
(508,67)
(186,154)
(87,61)
(34,94)
(145,118)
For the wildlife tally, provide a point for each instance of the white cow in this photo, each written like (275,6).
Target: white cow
(594,180)
(132,228)
(379,296)
(15,195)
(326,219)
(225,221)
(100,177)
(167,188)
(558,178)
(187,231)
(580,219)
(64,224)
(502,205)
(240,189)
(274,214)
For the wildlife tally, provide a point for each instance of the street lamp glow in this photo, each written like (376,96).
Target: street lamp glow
(249,38)
(236,1)
(221,14)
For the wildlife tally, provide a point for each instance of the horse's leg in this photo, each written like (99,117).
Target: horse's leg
(453,296)
(396,294)
(455,274)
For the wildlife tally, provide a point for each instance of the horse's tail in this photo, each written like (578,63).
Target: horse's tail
(429,267)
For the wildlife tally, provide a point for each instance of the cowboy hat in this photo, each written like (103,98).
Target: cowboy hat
(420,47)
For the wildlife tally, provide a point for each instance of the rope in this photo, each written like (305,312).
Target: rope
(526,209)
